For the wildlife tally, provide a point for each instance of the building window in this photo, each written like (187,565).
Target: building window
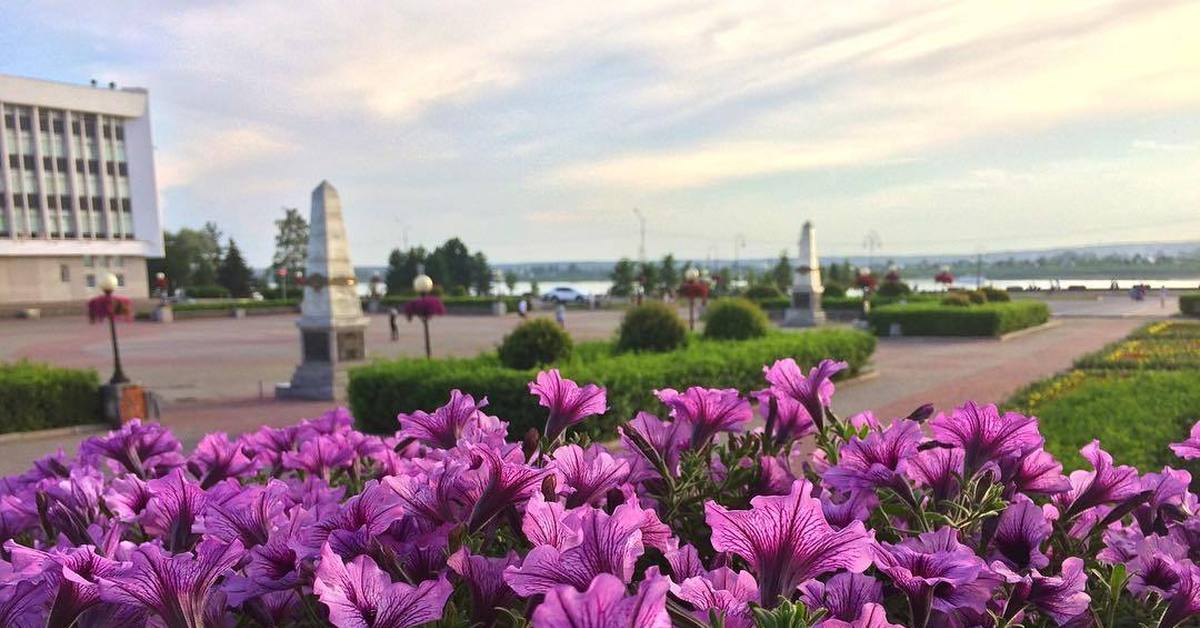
(118,261)
(64,273)
(123,169)
(120,276)
(25,124)
(28,159)
(120,131)
(14,160)
(47,163)
(90,280)
(62,164)
(8,121)
(89,261)
(75,127)
(93,166)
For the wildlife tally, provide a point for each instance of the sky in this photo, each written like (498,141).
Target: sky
(533,129)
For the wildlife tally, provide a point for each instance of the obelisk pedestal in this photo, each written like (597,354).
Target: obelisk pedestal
(331,321)
(806,310)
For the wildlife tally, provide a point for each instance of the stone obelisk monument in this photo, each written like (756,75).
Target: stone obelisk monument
(806,285)
(331,318)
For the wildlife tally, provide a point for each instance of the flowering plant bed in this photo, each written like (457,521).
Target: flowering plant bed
(693,520)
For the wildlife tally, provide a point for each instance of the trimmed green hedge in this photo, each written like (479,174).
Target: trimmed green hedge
(379,391)
(1189,303)
(37,396)
(1134,414)
(456,305)
(827,302)
(248,304)
(935,319)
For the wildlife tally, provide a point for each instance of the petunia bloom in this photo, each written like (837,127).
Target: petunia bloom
(174,507)
(936,572)
(1039,473)
(70,576)
(725,591)
(568,402)
(216,458)
(445,425)
(1104,484)
(869,616)
(1020,531)
(587,475)
(985,435)
(844,595)
(1060,598)
(786,540)
(23,604)
(1189,449)
(147,450)
(940,470)
(666,441)
(484,576)
(607,544)
(360,594)
(1185,601)
(501,484)
(814,391)
(177,587)
(708,411)
(321,455)
(605,604)
(878,461)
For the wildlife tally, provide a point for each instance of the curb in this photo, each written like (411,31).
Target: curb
(16,437)
(1029,330)
(867,374)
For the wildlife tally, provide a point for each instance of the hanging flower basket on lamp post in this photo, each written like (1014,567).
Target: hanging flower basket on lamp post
(424,307)
(693,288)
(111,306)
(944,276)
(865,280)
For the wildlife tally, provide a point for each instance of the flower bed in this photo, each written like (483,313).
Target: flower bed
(966,521)
(935,319)
(1153,352)
(379,391)
(38,396)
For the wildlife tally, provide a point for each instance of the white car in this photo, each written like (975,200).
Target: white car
(563,294)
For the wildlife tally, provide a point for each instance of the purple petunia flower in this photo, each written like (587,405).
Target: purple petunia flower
(685,561)
(936,572)
(586,476)
(1168,490)
(70,578)
(321,455)
(814,392)
(485,578)
(23,604)
(568,402)
(1104,484)
(878,461)
(842,509)
(501,484)
(1020,531)
(786,540)
(445,425)
(246,513)
(723,590)
(938,469)
(175,588)
(869,616)
(359,594)
(147,450)
(216,458)
(786,418)
(1189,449)
(843,596)
(1039,473)
(174,506)
(1156,567)
(608,544)
(268,444)
(985,435)
(667,440)
(70,506)
(605,604)
(708,411)
(1060,598)
(1185,601)
(127,498)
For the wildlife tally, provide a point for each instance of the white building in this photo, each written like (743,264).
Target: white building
(77,195)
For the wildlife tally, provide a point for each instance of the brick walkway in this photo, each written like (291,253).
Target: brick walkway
(210,370)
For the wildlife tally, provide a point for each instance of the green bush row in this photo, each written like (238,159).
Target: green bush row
(203,306)
(456,304)
(935,319)
(1189,303)
(38,396)
(827,302)
(379,391)
(1135,414)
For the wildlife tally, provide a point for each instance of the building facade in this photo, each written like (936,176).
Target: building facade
(78,197)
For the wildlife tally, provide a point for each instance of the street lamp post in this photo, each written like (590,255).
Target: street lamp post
(691,277)
(282,273)
(108,285)
(423,285)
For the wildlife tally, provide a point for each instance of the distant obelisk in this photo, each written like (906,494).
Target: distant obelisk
(331,318)
(806,285)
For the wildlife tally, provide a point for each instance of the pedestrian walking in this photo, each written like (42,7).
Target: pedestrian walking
(1162,297)
(522,307)
(393,314)
(560,315)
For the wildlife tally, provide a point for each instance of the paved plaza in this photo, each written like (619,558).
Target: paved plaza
(211,372)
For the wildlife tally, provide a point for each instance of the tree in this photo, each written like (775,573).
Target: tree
(190,257)
(291,242)
(481,274)
(402,269)
(233,273)
(622,278)
(781,273)
(211,244)
(510,281)
(668,274)
(649,274)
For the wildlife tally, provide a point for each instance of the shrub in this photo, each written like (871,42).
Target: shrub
(38,396)
(380,390)
(735,319)
(535,342)
(841,303)
(1189,304)
(653,326)
(776,303)
(763,291)
(931,319)
(976,297)
(206,292)
(994,295)
(834,289)
(893,289)
(956,299)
